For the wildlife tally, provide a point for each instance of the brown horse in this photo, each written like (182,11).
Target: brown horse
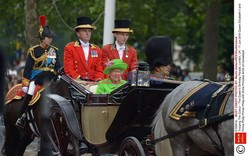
(17,140)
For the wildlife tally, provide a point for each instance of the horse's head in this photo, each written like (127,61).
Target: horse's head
(59,87)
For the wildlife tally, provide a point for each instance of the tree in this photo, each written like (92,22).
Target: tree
(31,21)
(211,34)
(182,20)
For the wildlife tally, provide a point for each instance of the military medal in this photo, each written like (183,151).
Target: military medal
(94,53)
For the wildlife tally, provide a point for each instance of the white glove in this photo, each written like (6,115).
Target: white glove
(25,89)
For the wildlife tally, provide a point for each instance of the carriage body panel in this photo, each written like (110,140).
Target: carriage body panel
(95,121)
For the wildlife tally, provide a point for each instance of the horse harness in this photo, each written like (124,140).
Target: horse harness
(204,121)
(32,123)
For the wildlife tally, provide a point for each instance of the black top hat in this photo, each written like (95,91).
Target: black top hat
(44,30)
(122,26)
(84,23)
(158,51)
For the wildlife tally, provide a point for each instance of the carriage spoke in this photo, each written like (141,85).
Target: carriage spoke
(54,130)
(131,147)
(63,141)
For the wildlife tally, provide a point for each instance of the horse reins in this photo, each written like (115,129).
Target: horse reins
(213,120)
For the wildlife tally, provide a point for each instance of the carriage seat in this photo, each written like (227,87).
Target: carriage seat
(89,85)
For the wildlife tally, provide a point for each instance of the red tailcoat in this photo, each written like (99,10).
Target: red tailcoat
(75,64)
(109,53)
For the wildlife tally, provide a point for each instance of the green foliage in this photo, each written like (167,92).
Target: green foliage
(12,25)
(182,20)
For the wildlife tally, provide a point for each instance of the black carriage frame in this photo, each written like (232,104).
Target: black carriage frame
(137,107)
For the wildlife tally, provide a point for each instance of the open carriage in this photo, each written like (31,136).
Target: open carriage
(115,123)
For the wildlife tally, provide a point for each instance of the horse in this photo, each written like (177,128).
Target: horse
(195,140)
(17,140)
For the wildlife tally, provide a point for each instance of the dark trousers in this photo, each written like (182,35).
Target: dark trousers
(25,103)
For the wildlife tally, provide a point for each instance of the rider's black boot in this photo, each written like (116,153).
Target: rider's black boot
(20,123)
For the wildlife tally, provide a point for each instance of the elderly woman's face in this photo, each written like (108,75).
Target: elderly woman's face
(115,74)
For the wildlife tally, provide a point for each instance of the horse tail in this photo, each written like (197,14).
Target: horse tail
(11,136)
(162,148)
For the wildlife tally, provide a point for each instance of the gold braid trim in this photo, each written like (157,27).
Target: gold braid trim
(93,46)
(37,60)
(41,58)
(25,82)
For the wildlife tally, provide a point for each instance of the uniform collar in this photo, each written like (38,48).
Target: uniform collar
(41,45)
(113,47)
(118,47)
(83,44)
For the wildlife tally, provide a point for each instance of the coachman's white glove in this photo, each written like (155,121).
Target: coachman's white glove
(25,89)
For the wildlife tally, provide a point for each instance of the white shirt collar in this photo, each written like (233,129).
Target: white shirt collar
(84,44)
(85,48)
(118,47)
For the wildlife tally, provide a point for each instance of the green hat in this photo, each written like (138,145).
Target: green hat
(115,64)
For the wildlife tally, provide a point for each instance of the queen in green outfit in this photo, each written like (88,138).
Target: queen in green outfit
(114,70)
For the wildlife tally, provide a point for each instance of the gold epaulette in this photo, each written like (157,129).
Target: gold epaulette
(93,46)
(31,52)
(54,47)
(32,48)
(76,43)
(112,46)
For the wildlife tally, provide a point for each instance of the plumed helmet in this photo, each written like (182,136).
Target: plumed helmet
(158,51)
(44,30)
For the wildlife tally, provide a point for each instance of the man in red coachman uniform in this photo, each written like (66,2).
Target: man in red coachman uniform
(119,49)
(82,60)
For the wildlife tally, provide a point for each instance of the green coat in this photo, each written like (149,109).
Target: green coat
(106,86)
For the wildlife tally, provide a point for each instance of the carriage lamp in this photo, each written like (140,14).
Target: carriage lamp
(141,77)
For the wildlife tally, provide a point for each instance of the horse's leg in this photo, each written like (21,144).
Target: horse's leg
(12,134)
(226,129)
(179,145)
(24,141)
(162,148)
(194,150)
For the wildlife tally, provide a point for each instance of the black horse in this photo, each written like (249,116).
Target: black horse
(17,140)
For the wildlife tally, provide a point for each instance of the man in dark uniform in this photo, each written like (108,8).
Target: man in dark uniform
(41,66)
(159,56)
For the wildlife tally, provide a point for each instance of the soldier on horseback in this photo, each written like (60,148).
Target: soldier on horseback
(41,66)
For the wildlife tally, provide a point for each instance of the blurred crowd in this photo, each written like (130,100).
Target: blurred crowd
(14,71)
(223,72)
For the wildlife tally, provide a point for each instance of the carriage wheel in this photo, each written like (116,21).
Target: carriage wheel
(63,141)
(131,147)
